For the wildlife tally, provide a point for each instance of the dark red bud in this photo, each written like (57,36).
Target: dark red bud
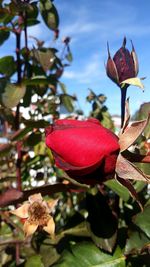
(124,64)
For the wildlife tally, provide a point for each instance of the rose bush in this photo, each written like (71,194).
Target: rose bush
(83,147)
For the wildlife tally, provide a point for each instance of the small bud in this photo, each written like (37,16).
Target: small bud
(124,64)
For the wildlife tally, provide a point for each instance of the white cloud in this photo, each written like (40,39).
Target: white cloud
(87,73)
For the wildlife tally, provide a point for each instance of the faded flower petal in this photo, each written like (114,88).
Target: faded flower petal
(29,228)
(50,227)
(51,204)
(35,198)
(22,211)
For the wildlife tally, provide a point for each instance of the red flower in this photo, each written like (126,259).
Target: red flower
(124,64)
(83,147)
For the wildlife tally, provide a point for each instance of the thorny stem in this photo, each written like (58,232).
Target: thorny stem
(123,100)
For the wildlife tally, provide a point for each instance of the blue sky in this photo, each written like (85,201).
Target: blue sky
(90,24)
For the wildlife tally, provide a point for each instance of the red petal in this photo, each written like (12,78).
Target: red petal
(81,144)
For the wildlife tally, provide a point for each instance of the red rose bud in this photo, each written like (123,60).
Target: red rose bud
(83,147)
(124,64)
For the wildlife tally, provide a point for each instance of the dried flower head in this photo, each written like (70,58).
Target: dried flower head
(36,213)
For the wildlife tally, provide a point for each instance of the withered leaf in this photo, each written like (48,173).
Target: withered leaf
(127,170)
(132,133)
(129,186)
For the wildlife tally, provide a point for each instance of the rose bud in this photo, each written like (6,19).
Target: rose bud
(83,147)
(124,64)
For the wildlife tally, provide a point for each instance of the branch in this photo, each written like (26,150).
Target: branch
(13,196)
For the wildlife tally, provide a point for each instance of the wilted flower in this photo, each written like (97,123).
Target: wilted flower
(36,213)
(123,66)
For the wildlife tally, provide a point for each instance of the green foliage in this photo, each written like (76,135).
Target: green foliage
(7,65)
(49,14)
(99,110)
(12,94)
(34,261)
(99,226)
(4,35)
(88,255)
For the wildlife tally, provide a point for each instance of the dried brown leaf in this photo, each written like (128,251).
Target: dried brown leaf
(132,133)
(129,186)
(127,170)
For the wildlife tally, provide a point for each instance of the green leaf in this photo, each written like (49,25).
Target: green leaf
(18,135)
(4,35)
(49,14)
(34,261)
(36,124)
(142,220)
(49,253)
(63,87)
(69,56)
(34,139)
(7,65)
(12,94)
(136,242)
(45,57)
(67,101)
(32,22)
(86,254)
(32,11)
(118,189)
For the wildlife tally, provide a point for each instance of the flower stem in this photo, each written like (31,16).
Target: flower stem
(123,101)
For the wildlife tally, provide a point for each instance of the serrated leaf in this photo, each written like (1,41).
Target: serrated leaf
(134,81)
(12,95)
(142,220)
(34,261)
(86,254)
(49,14)
(7,65)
